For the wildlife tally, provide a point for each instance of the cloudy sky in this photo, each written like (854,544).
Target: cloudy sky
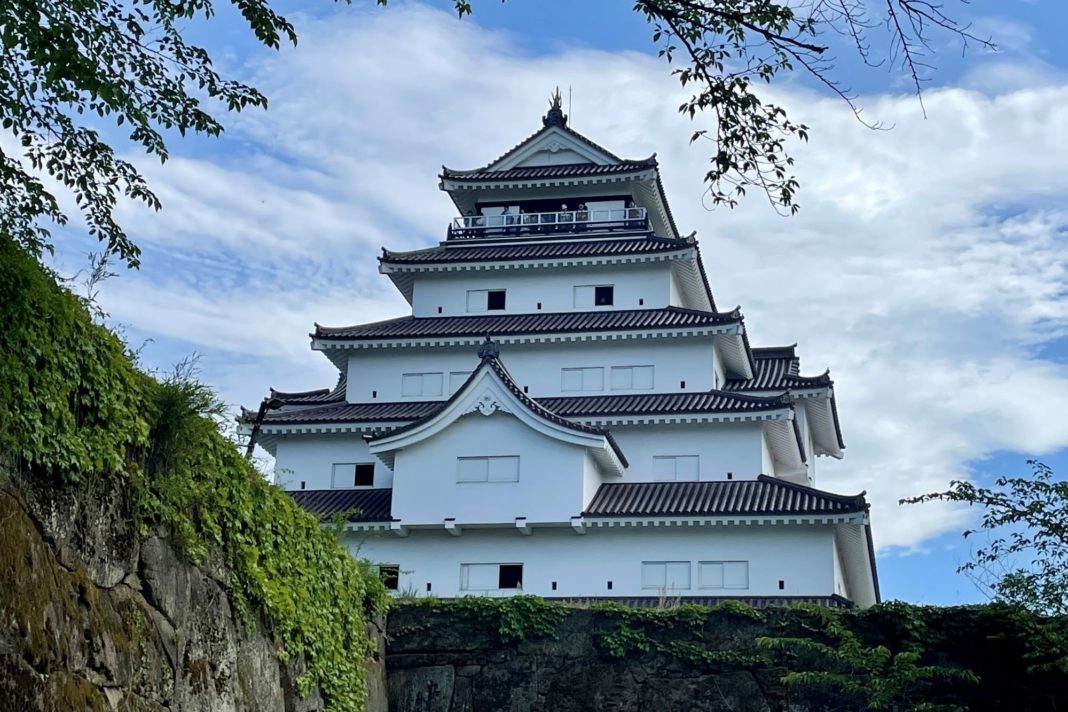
(927,267)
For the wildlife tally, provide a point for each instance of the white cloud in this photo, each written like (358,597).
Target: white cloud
(926,267)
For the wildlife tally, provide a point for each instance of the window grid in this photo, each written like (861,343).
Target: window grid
(666,575)
(497,468)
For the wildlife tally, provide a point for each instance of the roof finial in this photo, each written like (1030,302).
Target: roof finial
(556,115)
(488,349)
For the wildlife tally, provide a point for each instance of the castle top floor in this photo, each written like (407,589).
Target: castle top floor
(558,183)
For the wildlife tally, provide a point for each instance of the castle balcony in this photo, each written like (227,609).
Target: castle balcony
(562,222)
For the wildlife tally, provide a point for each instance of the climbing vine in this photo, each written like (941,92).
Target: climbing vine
(73,407)
(513,618)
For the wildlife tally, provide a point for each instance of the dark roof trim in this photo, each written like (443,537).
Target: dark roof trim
(319,396)
(452,252)
(763,496)
(545,128)
(558,170)
(522,324)
(370,505)
(661,404)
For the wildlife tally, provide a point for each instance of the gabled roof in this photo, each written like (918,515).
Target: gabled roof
(764,495)
(451,252)
(314,397)
(485,396)
(561,170)
(517,324)
(777,369)
(371,505)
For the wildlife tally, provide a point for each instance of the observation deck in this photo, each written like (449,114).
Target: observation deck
(558,222)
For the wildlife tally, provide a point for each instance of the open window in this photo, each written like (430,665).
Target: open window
(495,300)
(604,296)
(491,577)
(482,300)
(353,474)
(390,575)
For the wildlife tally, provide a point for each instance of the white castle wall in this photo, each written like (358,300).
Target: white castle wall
(552,288)
(721,447)
(375,375)
(801,556)
(310,459)
(549,489)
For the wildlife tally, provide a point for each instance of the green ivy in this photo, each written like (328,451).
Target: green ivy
(680,631)
(513,618)
(73,406)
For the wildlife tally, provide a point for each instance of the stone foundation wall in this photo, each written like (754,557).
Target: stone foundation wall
(95,617)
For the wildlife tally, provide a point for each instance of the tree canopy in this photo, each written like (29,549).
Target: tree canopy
(67,69)
(1024,557)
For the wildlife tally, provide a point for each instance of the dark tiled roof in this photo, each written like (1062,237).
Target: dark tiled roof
(764,495)
(546,127)
(514,324)
(777,369)
(316,397)
(536,251)
(563,170)
(374,505)
(660,403)
(565,407)
(356,412)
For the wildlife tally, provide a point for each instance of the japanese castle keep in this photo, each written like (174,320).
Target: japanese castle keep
(567,412)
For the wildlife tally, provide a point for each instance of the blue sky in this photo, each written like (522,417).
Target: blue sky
(927,267)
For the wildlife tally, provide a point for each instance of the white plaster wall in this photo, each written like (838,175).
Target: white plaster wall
(800,556)
(310,458)
(839,578)
(767,462)
(806,440)
(550,486)
(375,375)
(722,448)
(591,479)
(553,288)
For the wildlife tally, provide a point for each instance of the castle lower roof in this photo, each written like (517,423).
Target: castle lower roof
(777,368)
(546,250)
(764,495)
(563,407)
(518,324)
(363,505)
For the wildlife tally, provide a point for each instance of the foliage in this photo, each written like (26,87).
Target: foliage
(1026,517)
(69,71)
(680,632)
(74,408)
(831,656)
(70,404)
(514,618)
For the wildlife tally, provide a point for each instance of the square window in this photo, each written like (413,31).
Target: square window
(622,378)
(510,576)
(495,299)
(503,469)
(723,574)
(390,575)
(603,296)
(472,469)
(666,575)
(365,475)
(412,384)
(593,379)
(344,475)
(643,378)
(571,379)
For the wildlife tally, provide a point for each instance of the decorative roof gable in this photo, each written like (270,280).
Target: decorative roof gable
(490,389)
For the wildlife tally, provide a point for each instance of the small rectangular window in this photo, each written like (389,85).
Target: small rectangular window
(510,576)
(390,575)
(416,385)
(632,378)
(682,468)
(365,475)
(476,300)
(344,475)
(723,574)
(594,295)
(666,575)
(590,379)
(490,577)
(488,469)
(495,300)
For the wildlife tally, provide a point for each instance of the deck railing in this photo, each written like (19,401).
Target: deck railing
(564,221)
